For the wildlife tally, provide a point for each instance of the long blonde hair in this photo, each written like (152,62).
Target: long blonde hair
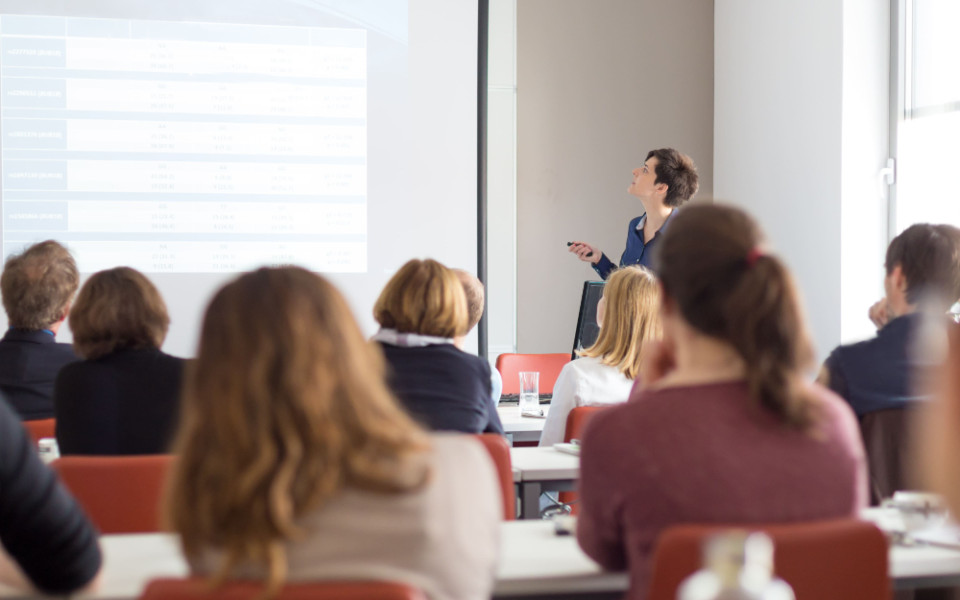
(631,319)
(284,406)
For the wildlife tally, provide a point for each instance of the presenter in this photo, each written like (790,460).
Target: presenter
(666,180)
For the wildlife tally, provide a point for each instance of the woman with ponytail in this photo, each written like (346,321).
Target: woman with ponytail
(723,425)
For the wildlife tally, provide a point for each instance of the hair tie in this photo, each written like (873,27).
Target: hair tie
(754,255)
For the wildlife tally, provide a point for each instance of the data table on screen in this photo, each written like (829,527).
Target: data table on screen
(185,147)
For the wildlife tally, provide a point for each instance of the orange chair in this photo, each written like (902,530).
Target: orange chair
(822,560)
(121,494)
(576,422)
(198,589)
(548,365)
(41,428)
(499,451)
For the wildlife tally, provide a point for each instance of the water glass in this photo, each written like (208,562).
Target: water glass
(529,391)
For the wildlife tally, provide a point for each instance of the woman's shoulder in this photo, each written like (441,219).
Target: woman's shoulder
(461,357)
(458,449)
(583,363)
(592,366)
(171,361)
(834,410)
(83,369)
(464,470)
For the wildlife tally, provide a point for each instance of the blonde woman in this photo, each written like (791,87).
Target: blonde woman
(422,312)
(296,463)
(629,318)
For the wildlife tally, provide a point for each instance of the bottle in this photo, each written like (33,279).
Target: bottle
(48,450)
(737,566)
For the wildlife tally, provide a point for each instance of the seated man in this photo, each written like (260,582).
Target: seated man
(923,272)
(473,288)
(37,287)
(45,540)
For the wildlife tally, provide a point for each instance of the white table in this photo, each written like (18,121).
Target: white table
(534,563)
(917,566)
(537,470)
(520,428)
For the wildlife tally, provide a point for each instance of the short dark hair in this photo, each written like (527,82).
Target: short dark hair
(929,256)
(679,173)
(37,285)
(116,309)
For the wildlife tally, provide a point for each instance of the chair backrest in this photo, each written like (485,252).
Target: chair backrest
(121,494)
(548,365)
(886,438)
(198,589)
(41,428)
(844,559)
(577,421)
(499,451)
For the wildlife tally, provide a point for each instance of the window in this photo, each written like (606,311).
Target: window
(927,119)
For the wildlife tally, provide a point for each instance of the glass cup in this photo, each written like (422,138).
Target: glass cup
(529,391)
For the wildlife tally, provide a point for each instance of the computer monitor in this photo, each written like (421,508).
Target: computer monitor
(587,328)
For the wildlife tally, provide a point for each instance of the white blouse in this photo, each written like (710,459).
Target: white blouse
(582,382)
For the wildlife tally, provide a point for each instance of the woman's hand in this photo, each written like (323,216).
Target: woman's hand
(585,252)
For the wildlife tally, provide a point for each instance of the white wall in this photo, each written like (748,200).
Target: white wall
(599,83)
(502,179)
(799,117)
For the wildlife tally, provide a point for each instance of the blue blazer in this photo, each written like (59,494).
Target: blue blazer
(29,363)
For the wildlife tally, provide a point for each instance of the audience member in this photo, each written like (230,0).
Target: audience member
(473,288)
(296,463)
(37,287)
(885,372)
(723,426)
(45,539)
(123,398)
(629,318)
(421,311)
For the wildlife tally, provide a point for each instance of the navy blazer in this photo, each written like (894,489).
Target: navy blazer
(29,363)
(880,373)
(636,252)
(126,402)
(443,388)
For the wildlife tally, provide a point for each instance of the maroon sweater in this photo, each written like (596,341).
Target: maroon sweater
(708,454)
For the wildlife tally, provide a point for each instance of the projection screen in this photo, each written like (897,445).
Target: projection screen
(195,140)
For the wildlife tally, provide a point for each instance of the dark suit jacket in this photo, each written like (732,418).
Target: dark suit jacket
(443,388)
(126,402)
(29,363)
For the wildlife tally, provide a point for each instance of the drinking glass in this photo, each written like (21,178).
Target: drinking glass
(529,391)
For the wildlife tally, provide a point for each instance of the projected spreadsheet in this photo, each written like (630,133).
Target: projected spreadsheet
(185,147)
